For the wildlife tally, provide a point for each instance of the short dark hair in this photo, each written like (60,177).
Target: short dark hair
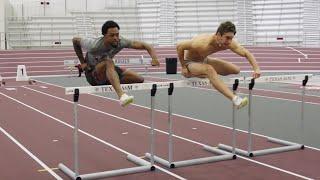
(107,25)
(226,27)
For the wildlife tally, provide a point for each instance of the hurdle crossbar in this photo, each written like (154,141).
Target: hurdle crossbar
(128,61)
(134,61)
(180,83)
(137,86)
(279,78)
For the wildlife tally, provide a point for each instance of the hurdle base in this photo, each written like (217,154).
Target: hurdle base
(288,146)
(223,156)
(144,167)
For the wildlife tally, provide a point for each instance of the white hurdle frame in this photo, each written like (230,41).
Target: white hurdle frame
(170,163)
(144,166)
(288,146)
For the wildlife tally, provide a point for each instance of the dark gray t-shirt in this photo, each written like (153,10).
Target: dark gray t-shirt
(96,50)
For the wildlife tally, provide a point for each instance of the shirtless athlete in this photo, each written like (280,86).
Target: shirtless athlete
(193,56)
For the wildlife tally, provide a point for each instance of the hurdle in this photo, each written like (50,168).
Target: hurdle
(287,146)
(143,165)
(222,155)
(134,61)
(71,65)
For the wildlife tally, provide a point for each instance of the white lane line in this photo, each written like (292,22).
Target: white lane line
(164,132)
(29,152)
(86,133)
(303,54)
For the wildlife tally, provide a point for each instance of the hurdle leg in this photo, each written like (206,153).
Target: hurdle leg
(61,166)
(304,83)
(75,134)
(250,127)
(234,144)
(170,91)
(169,163)
(152,141)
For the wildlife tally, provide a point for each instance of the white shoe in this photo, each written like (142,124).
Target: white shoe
(126,100)
(240,102)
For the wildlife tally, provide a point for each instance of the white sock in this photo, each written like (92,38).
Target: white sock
(124,96)
(236,100)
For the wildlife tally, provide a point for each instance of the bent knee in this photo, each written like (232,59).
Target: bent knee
(210,71)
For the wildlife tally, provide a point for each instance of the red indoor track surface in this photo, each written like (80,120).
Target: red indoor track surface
(41,119)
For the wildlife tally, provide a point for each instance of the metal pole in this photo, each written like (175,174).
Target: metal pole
(304,83)
(250,117)
(152,143)
(75,133)
(170,90)
(234,88)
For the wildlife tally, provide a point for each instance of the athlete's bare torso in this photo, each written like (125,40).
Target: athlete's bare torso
(202,46)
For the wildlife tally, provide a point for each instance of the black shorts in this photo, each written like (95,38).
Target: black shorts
(92,77)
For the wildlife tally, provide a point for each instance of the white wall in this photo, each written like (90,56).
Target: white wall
(63,7)
(259,22)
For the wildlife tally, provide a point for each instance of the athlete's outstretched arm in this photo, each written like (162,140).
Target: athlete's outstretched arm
(76,41)
(149,48)
(240,50)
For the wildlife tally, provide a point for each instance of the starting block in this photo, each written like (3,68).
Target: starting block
(22,73)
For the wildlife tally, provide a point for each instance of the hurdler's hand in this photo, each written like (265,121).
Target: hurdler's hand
(185,72)
(81,68)
(155,62)
(256,73)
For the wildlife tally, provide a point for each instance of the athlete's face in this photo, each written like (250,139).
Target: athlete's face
(226,39)
(112,37)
